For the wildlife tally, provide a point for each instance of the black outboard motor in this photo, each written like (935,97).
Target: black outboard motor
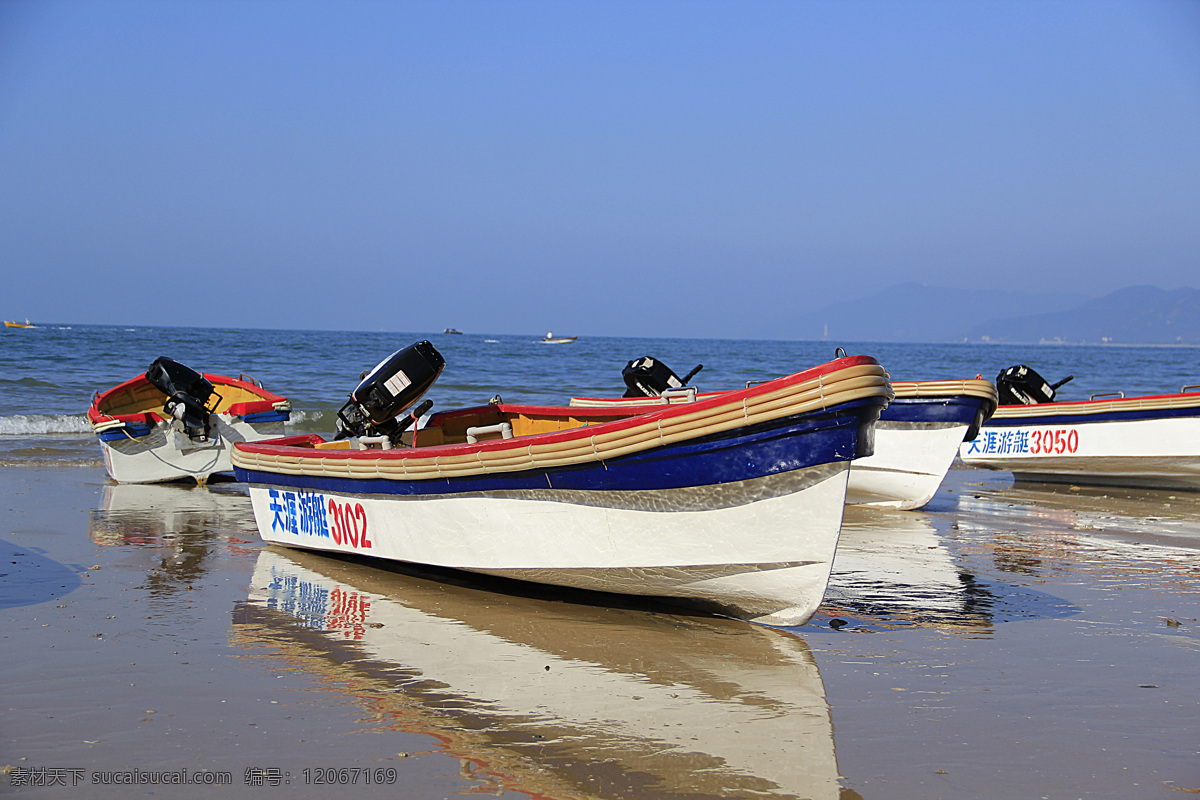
(388,390)
(187,394)
(646,377)
(1021,386)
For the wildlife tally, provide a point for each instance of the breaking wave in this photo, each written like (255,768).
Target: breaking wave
(43,424)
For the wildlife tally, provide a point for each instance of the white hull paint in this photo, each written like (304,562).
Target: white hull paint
(697,707)
(1152,453)
(910,461)
(165,454)
(758,550)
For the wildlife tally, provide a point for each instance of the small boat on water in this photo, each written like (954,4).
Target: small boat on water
(1109,439)
(173,423)
(733,503)
(14,324)
(452,331)
(550,338)
(916,438)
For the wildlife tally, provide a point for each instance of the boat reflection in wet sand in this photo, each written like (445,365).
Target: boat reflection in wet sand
(172,530)
(556,699)
(894,567)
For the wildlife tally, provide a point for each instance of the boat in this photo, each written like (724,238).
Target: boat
(452,330)
(546,699)
(13,324)
(732,504)
(173,423)
(916,439)
(1150,441)
(550,338)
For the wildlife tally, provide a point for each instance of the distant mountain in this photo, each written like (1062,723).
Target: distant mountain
(912,312)
(1136,315)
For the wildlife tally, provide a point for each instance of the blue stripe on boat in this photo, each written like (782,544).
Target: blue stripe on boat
(1059,420)
(932,409)
(783,445)
(267,416)
(124,432)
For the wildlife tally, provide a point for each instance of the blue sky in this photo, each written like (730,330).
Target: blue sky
(707,169)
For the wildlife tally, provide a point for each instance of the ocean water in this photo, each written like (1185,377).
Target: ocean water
(49,374)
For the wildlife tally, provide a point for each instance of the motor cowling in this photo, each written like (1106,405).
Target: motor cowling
(1021,385)
(188,393)
(648,377)
(393,386)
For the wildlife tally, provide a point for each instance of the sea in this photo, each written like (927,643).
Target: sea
(50,373)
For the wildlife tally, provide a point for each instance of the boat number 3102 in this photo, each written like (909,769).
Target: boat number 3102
(1040,442)
(311,514)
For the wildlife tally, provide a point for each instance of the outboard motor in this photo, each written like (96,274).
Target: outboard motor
(1021,386)
(646,377)
(187,394)
(388,390)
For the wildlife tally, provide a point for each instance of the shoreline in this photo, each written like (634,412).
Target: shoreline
(1012,640)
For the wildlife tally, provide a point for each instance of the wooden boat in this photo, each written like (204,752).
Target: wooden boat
(732,503)
(13,324)
(916,438)
(1149,441)
(550,338)
(608,697)
(172,423)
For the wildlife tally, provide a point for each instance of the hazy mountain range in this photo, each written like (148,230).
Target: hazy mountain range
(912,312)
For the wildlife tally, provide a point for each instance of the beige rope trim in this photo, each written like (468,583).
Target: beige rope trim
(976,387)
(850,384)
(1087,407)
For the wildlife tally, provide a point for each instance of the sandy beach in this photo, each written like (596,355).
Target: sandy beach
(1007,642)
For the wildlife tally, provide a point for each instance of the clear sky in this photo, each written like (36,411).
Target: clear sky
(707,169)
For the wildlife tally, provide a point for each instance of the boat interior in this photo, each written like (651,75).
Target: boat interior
(142,397)
(503,421)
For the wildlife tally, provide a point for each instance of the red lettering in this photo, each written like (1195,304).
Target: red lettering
(361,513)
(1073,440)
(336,527)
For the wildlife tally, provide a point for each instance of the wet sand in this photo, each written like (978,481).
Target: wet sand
(1010,641)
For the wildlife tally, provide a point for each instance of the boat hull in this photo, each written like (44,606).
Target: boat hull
(142,443)
(732,504)
(163,454)
(758,549)
(916,440)
(1149,442)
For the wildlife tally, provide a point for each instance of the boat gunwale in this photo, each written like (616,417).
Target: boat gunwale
(101,420)
(812,391)
(1078,408)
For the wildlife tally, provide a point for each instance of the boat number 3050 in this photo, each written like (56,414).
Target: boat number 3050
(1040,442)
(311,514)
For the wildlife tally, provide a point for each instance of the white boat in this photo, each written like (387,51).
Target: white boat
(732,503)
(551,699)
(1149,441)
(173,423)
(550,338)
(916,438)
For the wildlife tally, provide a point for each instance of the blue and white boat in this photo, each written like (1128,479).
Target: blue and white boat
(732,503)
(1150,441)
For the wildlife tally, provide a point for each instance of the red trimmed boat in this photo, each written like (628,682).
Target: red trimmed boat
(1151,441)
(173,423)
(733,503)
